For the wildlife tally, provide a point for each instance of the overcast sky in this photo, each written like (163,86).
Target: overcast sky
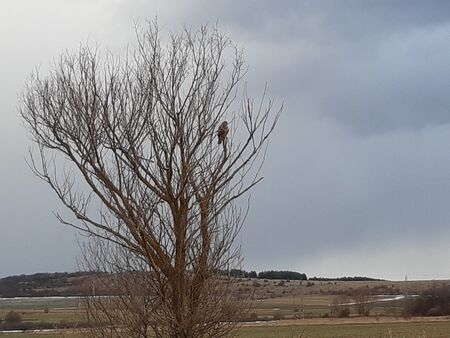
(357,179)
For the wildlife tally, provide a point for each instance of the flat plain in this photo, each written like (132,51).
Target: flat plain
(281,309)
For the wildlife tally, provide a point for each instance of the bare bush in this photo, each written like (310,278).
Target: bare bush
(13,317)
(432,302)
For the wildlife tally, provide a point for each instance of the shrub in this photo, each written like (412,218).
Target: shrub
(343,313)
(13,318)
(435,311)
(253,316)
(434,302)
(278,316)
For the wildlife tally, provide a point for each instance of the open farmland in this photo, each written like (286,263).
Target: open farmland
(280,309)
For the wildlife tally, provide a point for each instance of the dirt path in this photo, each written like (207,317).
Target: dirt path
(354,320)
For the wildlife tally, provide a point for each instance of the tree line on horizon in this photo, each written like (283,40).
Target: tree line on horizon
(270,274)
(346,279)
(293,275)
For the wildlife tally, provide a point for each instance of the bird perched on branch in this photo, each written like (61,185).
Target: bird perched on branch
(222,132)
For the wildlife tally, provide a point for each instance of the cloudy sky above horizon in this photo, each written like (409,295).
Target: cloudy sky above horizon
(357,179)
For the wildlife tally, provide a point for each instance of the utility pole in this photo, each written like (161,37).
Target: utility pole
(406,286)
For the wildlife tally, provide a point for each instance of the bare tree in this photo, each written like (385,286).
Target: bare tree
(362,297)
(132,306)
(130,146)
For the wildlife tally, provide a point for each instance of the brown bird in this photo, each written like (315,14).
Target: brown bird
(222,132)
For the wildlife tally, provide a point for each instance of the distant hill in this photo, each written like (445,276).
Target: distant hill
(45,284)
(79,283)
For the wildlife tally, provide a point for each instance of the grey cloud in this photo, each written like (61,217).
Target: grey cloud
(373,66)
(372,84)
(328,189)
(359,163)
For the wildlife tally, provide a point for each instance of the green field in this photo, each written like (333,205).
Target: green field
(397,330)
(407,330)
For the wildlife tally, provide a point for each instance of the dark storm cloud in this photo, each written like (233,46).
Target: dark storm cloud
(372,67)
(358,170)
(361,157)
